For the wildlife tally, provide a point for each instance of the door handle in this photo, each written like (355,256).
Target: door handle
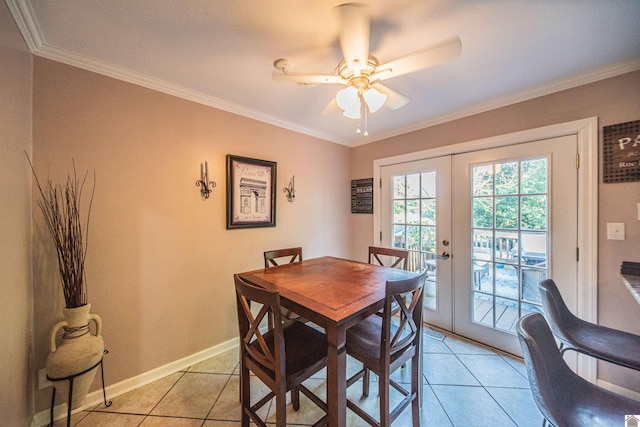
(445,255)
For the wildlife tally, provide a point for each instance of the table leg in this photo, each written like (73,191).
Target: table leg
(337,376)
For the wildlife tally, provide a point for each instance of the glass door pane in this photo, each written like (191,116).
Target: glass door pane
(414,224)
(510,239)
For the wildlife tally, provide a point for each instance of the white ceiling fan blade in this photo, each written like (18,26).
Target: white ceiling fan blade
(354,34)
(394,99)
(428,57)
(307,79)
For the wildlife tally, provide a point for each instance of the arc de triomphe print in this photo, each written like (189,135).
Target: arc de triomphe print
(251,197)
(253,190)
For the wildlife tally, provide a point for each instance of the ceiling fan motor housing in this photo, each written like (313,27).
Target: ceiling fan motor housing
(358,76)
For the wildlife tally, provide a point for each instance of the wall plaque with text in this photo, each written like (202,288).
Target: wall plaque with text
(362,195)
(621,150)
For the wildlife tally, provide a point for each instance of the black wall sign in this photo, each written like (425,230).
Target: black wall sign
(362,195)
(621,149)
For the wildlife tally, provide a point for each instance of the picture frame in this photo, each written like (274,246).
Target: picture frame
(621,152)
(362,195)
(251,192)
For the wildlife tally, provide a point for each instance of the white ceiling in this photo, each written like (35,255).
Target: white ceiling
(221,52)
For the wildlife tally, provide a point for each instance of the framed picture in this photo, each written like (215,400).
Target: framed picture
(621,149)
(362,195)
(251,192)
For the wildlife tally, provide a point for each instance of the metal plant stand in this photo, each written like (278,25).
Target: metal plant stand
(70,378)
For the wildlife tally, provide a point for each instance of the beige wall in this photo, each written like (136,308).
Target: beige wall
(160,263)
(160,260)
(614,101)
(15,219)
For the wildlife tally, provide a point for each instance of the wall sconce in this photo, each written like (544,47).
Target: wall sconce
(204,182)
(290,190)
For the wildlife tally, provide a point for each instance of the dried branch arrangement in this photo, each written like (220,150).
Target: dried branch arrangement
(60,207)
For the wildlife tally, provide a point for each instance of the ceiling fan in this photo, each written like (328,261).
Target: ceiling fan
(362,72)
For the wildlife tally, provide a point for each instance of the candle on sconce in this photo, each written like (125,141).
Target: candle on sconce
(204,182)
(290,190)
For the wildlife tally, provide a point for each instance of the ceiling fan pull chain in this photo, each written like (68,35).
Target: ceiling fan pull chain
(366,121)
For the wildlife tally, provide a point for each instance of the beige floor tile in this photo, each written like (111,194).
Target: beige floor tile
(460,345)
(107,419)
(224,363)
(309,412)
(227,407)
(371,404)
(192,396)
(209,389)
(214,423)
(152,421)
(75,419)
(142,400)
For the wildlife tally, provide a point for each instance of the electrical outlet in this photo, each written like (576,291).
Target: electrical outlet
(43,382)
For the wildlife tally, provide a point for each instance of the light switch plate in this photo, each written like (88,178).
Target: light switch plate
(615,230)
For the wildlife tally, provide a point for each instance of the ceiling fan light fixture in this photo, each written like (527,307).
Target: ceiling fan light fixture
(352,113)
(361,72)
(374,99)
(348,99)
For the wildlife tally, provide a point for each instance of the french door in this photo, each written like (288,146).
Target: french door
(418,218)
(515,225)
(488,226)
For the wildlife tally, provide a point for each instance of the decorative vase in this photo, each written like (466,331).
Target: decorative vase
(78,352)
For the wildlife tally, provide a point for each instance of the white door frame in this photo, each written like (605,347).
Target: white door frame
(586,131)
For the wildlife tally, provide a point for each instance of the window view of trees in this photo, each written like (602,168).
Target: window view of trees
(414,216)
(509,220)
(509,228)
(510,191)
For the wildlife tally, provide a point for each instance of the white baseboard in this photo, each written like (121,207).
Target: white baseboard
(95,398)
(619,390)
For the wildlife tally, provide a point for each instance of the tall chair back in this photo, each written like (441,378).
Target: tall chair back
(282,357)
(399,257)
(273,258)
(544,363)
(608,344)
(384,343)
(563,397)
(556,311)
(284,256)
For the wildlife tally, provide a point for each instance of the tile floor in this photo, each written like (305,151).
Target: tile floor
(465,384)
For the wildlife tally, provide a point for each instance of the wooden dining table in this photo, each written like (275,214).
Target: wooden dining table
(334,294)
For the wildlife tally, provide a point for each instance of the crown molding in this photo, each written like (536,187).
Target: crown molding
(121,73)
(25,18)
(27,23)
(557,86)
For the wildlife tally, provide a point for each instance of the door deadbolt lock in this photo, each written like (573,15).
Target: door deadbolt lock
(445,242)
